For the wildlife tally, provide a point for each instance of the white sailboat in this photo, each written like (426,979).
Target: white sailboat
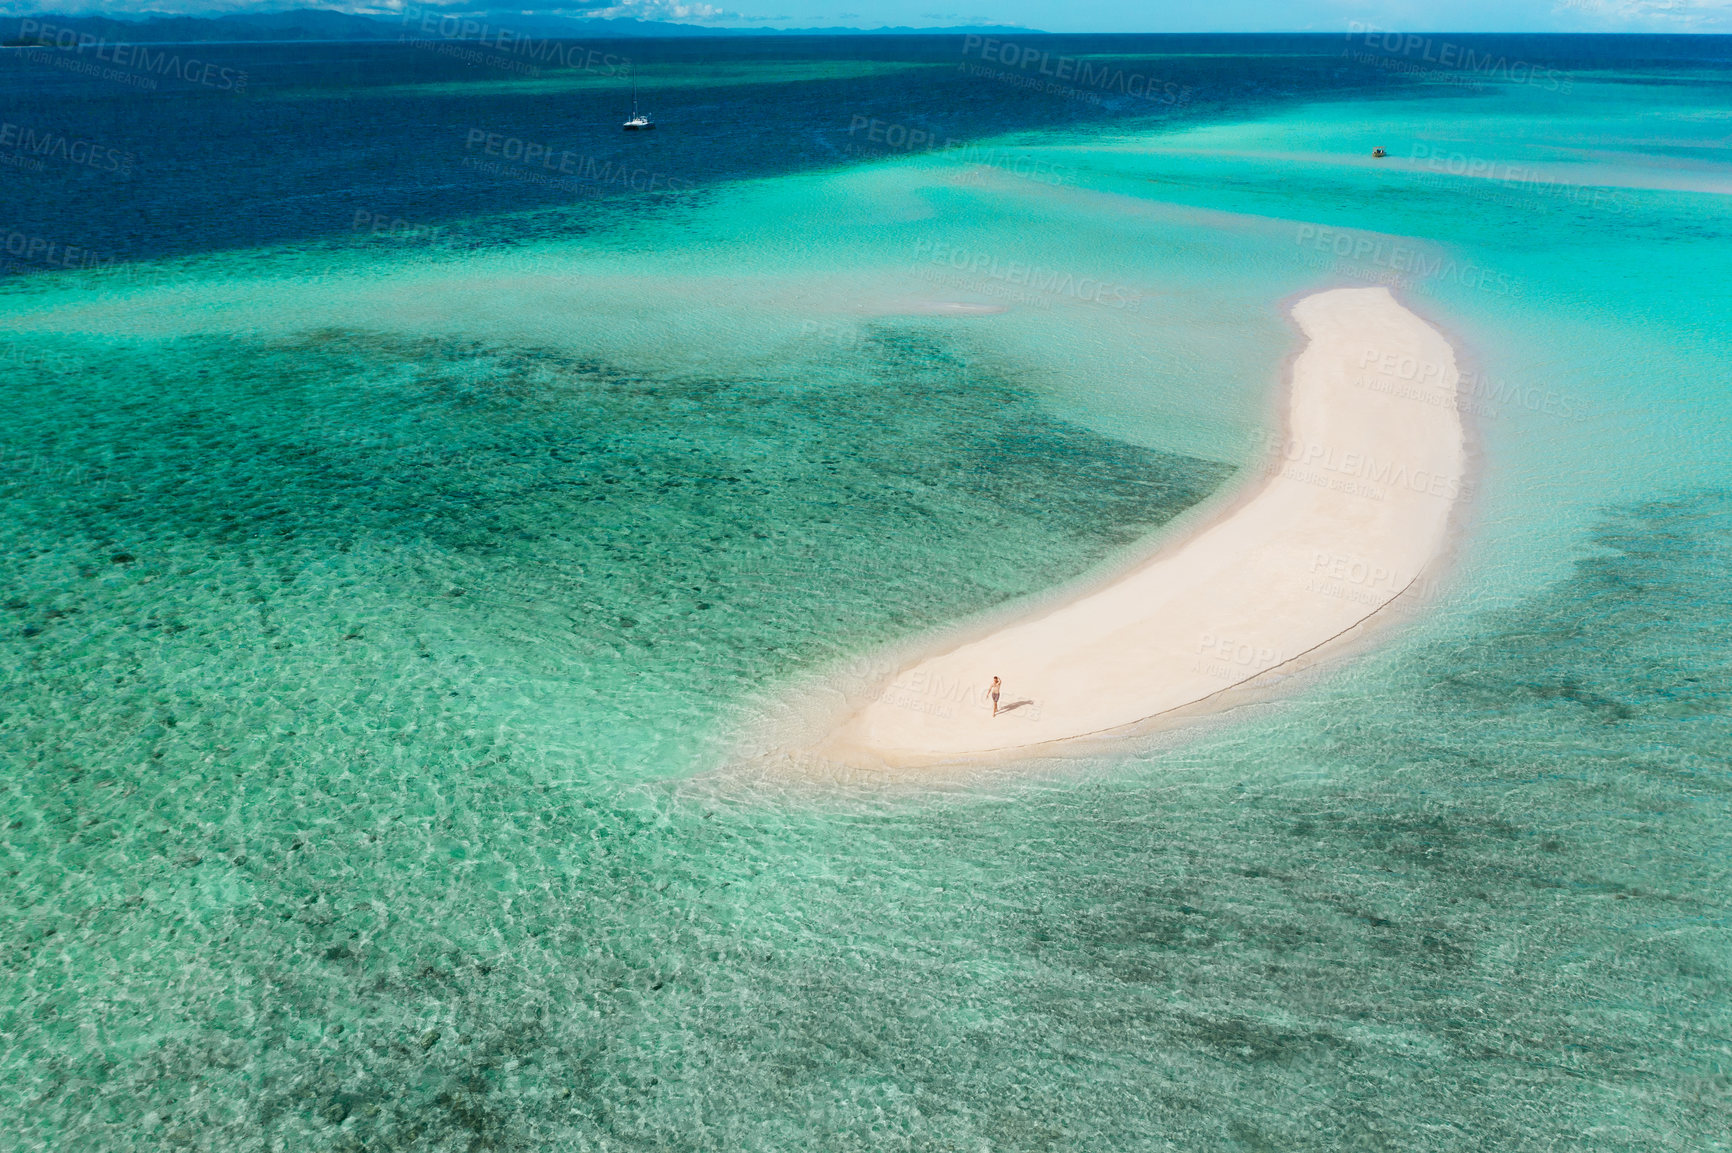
(640,121)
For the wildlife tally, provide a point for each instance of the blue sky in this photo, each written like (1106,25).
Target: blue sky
(1058,15)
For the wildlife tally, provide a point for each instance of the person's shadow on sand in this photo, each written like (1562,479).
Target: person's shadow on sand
(1002,709)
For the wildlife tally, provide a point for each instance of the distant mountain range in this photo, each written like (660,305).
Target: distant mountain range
(323,24)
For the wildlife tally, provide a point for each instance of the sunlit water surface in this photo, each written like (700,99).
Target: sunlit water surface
(381,615)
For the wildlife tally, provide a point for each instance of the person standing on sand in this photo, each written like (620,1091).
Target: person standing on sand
(993,693)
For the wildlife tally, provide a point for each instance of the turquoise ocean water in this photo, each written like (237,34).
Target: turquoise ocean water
(383,608)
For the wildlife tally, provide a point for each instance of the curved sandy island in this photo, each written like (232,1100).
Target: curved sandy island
(1353,504)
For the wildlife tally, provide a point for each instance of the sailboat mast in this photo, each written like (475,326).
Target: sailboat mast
(638,121)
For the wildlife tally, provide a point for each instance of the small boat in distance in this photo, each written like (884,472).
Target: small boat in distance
(640,121)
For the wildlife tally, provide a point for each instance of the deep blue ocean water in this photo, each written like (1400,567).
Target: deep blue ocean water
(415,490)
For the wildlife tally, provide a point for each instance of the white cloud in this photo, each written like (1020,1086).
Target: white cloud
(1070,15)
(1650,15)
(661,10)
(676,10)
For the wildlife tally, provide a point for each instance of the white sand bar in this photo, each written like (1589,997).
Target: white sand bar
(1352,506)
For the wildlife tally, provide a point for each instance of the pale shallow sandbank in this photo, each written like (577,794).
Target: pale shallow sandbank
(1353,507)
